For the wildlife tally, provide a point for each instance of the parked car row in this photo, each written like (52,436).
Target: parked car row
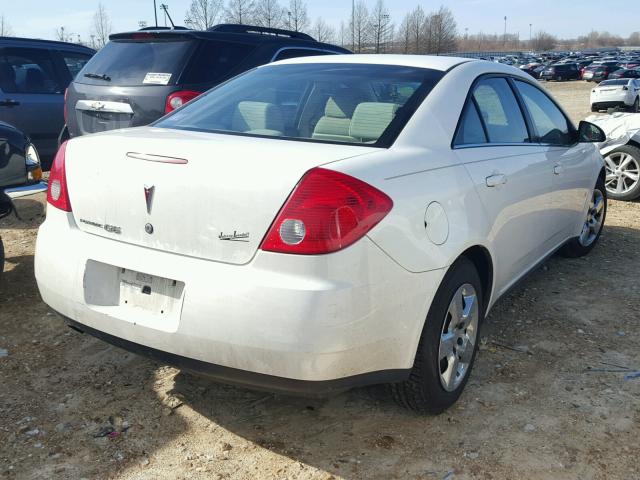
(33,77)
(592,68)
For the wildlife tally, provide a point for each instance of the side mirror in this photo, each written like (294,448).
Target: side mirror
(590,133)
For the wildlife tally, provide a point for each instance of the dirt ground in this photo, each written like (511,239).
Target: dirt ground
(547,398)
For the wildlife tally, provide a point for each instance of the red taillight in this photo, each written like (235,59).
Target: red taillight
(65,105)
(177,99)
(57,193)
(327,211)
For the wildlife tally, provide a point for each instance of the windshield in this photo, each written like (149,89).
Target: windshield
(132,63)
(344,103)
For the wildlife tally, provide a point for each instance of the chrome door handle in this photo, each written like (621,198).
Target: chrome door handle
(558,169)
(496,179)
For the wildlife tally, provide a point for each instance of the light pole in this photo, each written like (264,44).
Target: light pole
(155,12)
(504,38)
(353,24)
(289,13)
(530,30)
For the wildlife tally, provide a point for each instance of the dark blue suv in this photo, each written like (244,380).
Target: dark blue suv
(33,77)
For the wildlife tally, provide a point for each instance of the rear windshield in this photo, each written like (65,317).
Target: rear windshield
(613,83)
(132,63)
(336,103)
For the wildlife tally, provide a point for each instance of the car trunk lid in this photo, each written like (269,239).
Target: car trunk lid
(204,195)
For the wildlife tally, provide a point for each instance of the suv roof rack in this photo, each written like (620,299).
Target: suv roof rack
(177,27)
(278,32)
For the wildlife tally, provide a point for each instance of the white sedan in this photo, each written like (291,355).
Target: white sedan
(322,223)
(617,93)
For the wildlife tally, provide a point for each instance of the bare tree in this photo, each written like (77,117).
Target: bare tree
(441,31)
(634,39)
(269,13)
(101,26)
(543,41)
(359,26)
(416,29)
(204,14)
(344,32)
(298,17)
(403,40)
(323,32)
(381,26)
(5,28)
(240,11)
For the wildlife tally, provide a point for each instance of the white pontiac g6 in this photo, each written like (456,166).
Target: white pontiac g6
(322,223)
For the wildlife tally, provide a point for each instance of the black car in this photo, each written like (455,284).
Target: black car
(140,76)
(20,171)
(559,72)
(33,77)
(625,73)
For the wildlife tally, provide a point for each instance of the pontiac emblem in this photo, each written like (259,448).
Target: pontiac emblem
(148,196)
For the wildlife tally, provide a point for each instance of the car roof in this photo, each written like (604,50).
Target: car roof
(39,43)
(419,61)
(239,33)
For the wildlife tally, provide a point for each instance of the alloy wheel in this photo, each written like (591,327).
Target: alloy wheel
(593,222)
(623,172)
(458,337)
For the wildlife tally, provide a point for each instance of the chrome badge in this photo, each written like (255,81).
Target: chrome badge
(148,196)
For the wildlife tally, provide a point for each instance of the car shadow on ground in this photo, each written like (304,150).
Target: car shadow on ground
(366,424)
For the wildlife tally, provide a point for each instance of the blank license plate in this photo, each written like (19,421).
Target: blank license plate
(158,295)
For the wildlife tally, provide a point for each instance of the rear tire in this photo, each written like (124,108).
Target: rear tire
(592,227)
(635,108)
(448,342)
(594,108)
(1,258)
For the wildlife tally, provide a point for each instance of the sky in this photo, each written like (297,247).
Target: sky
(563,18)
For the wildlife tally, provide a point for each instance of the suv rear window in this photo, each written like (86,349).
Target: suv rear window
(132,63)
(215,61)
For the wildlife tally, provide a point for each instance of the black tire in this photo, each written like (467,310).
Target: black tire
(1,258)
(594,108)
(423,391)
(635,108)
(559,78)
(574,248)
(635,191)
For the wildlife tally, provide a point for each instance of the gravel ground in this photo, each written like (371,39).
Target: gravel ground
(548,397)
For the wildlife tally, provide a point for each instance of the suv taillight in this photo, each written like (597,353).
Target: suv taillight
(326,212)
(177,99)
(57,193)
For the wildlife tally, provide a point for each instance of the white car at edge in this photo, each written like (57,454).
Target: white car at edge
(616,93)
(322,223)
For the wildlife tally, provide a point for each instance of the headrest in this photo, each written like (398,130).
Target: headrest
(340,106)
(371,119)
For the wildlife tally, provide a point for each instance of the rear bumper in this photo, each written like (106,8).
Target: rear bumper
(609,104)
(347,318)
(245,378)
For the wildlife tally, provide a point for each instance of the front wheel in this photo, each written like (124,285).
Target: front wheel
(448,344)
(592,226)
(623,173)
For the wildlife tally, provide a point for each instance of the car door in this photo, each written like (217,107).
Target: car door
(569,160)
(512,176)
(31,97)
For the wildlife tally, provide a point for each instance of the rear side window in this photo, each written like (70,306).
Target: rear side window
(27,70)
(299,52)
(216,61)
(471,131)
(500,112)
(75,62)
(550,123)
(134,62)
